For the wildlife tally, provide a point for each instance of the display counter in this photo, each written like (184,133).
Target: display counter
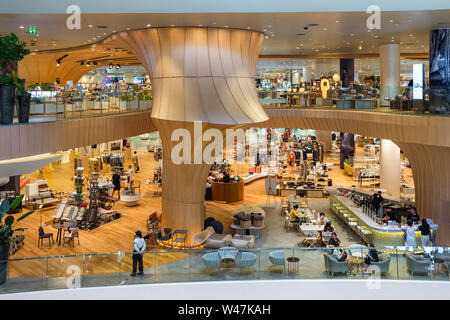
(229,192)
(345,104)
(366,226)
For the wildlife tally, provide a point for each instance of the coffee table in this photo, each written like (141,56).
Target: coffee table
(355,262)
(292,264)
(227,263)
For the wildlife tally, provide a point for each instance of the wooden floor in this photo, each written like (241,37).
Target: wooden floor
(118,235)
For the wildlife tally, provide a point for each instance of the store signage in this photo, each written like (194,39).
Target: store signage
(418,81)
(32,30)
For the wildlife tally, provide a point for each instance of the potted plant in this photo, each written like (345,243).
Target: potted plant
(6,233)
(12,50)
(8,85)
(24,99)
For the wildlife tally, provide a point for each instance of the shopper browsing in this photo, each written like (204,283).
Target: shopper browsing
(138,251)
(116,183)
(376,201)
(135,161)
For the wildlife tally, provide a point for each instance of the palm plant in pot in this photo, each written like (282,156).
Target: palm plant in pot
(12,50)
(7,232)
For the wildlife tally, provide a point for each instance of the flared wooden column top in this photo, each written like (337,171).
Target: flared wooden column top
(200,74)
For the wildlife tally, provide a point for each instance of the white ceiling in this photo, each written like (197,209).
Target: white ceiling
(337,33)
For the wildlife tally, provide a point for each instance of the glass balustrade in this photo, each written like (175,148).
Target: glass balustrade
(96,270)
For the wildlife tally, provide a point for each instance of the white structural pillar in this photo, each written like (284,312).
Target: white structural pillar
(390,167)
(389,72)
(307,74)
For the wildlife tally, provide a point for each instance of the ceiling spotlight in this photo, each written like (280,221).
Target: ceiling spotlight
(360,47)
(90,26)
(95,63)
(110,65)
(82,63)
(88,64)
(118,66)
(149,25)
(57,63)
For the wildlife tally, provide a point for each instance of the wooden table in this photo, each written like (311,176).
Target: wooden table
(356,262)
(59,227)
(229,192)
(292,264)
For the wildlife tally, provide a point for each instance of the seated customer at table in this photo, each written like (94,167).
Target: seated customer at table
(328,227)
(372,256)
(389,215)
(340,255)
(293,214)
(334,241)
(322,219)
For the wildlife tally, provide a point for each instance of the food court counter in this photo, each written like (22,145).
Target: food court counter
(229,192)
(368,229)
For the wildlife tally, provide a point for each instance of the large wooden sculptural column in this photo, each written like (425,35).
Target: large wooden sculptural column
(198,74)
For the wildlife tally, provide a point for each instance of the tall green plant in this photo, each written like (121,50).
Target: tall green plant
(11,79)
(11,49)
(7,225)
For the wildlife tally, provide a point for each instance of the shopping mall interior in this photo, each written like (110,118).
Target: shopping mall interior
(242,143)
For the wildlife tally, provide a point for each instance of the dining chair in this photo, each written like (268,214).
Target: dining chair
(71,237)
(43,235)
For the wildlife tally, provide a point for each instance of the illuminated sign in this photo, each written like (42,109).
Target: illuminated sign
(418,80)
(32,30)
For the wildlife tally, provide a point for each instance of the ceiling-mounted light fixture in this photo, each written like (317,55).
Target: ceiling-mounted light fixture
(82,63)
(88,64)
(110,65)
(95,63)
(58,61)
(118,66)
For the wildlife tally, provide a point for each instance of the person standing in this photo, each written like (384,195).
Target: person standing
(425,231)
(410,234)
(135,161)
(413,215)
(116,183)
(138,251)
(376,201)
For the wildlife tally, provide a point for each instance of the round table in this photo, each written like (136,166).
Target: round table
(292,264)
(356,262)
(59,227)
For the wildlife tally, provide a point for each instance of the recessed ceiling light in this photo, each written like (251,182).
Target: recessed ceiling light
(267,37)
(149,25)
(21,27)
(297,48)
(172,25)
(248,28)
(226,26)
(352,34)
(213,23)
(269,26)
(337,21)
(200,25)
(128,29)
(90,26)
(391,21)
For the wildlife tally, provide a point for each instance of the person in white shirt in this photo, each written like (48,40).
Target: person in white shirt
(138,251)
(410,232)
(130,177)
(322,219)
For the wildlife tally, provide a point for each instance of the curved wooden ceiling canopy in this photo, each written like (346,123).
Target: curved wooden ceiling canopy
(205,74)
(41,67)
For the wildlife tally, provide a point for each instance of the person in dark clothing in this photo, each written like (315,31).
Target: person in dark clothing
(226,177)
(412,215)
(334,241)
(116,183)
(424,229)
(372,256)
(376,200)
(389,215)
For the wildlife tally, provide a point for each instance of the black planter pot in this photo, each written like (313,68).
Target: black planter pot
(3,263)
(24,108)
(7,101)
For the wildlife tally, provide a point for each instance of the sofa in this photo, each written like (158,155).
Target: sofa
(417,263)
(243,241)
(216,241)
(332,265)
(383,264)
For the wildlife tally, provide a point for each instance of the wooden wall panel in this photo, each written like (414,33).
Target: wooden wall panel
(23,140)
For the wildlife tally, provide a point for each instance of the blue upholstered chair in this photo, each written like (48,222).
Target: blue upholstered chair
(211,260)
(228,253)
(246,260)
(277,258)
